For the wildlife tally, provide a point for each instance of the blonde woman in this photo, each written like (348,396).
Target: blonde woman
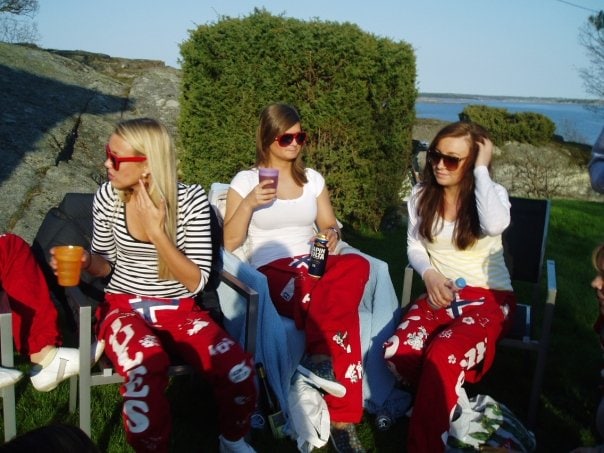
(152,239)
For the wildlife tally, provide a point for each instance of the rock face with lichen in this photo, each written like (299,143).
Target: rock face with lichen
(58,110)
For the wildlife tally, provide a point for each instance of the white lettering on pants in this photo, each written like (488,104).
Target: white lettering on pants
(121,349)
(134,410)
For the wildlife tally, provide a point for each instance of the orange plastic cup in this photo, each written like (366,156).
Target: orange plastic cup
(69,264)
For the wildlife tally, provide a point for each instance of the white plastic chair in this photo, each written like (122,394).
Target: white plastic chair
(8,361)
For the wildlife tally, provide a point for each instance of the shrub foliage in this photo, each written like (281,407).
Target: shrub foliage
(524,127)
(355,93)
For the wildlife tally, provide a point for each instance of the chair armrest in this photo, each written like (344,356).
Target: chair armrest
(79,303)
(6,332)
(552,285)
(407,284)
(548,315)
(251,313)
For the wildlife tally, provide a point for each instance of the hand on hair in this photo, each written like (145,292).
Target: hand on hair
(485,153)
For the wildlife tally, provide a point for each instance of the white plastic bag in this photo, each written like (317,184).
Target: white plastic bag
(308,414)
(485,422)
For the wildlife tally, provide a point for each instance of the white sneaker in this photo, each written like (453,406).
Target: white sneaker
(65,364)
(9,376)
(98,348)
(327,382)
(237,446)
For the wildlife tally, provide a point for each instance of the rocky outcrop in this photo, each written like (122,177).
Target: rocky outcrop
(58,110)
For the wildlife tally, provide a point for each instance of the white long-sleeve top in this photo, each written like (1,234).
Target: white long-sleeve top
(482,264)
(596,164)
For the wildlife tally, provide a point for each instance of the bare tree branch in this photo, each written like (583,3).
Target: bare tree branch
(591,37)
(19,7)
(15,31)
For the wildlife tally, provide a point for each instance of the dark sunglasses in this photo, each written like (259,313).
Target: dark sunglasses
(287,139)
(451,162)
(116,160)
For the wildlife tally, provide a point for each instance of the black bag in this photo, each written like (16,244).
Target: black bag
(68,224)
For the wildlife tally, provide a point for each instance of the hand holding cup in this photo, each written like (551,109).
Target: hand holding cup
(68,264)
(269,174)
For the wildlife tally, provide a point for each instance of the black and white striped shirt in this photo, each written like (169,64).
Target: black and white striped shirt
(135,262)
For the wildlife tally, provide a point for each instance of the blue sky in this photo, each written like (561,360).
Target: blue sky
(488,47)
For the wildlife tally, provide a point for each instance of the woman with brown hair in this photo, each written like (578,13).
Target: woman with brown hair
(278,219)
(456,217)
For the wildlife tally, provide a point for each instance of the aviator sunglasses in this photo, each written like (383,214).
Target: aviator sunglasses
(116,160)
(451,162)
(287,139)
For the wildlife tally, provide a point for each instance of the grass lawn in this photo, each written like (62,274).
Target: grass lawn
(568,401)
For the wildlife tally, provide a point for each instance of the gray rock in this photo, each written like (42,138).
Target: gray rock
(58,110)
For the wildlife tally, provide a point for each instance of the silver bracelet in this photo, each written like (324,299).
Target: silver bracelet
(335,230)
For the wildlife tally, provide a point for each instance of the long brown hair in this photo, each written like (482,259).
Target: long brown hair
(431,202)
(275,119)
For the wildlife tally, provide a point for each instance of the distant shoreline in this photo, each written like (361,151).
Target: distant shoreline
(464,98)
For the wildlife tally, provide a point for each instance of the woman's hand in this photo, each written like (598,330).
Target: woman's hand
(152,217)
(485,153)
(333,238)
(439,289)
(52,262)
(261,195)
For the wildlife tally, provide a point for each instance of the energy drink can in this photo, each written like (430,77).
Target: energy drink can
(318,256)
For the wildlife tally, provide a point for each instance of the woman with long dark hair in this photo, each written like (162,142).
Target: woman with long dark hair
(456,217)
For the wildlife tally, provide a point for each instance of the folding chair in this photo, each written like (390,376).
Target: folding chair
(71,223)
(8,361)
(524,245)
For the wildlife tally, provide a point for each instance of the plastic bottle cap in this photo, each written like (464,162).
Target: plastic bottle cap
(460,282)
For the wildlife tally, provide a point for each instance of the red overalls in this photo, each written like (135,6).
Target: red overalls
(327,309)
(141,332)
(435,351)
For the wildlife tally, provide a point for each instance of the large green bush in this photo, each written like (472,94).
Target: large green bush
(355,92)
(523,127)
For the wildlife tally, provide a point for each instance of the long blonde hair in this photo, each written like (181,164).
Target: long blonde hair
(150,138)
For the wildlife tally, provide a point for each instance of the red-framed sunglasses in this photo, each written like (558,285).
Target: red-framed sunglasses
(287,139)
(117,160)
(451,162)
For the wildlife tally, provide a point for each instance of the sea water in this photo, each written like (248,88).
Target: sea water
(575,121)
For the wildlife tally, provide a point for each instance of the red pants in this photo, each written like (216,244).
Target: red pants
(138,343)
(34,314)
(327,309)
(436,352)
